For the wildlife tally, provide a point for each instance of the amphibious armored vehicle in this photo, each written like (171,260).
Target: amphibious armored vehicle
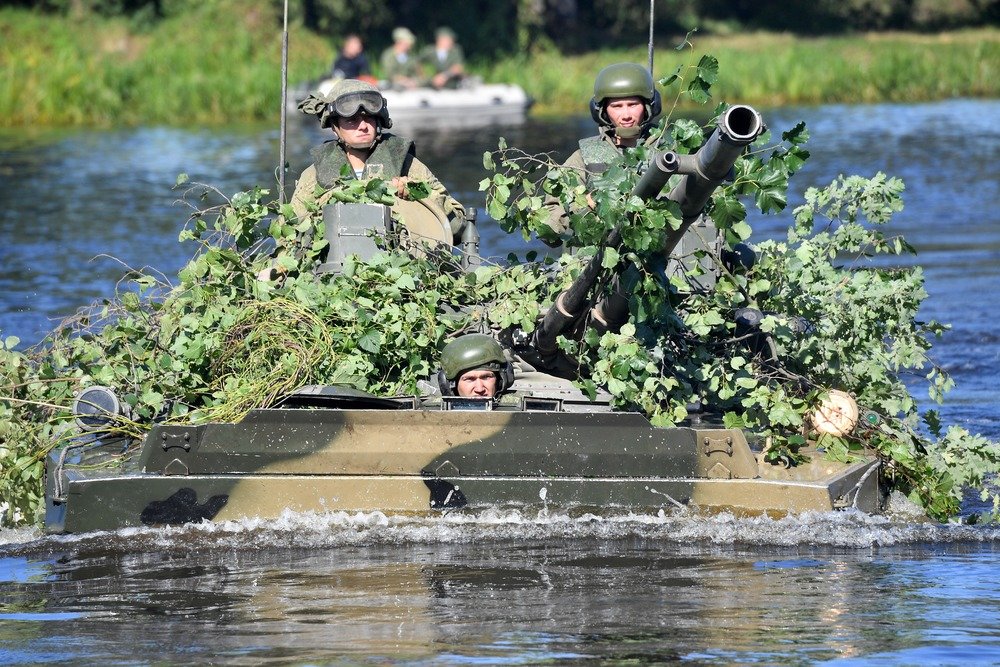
(543,444)
(328,449)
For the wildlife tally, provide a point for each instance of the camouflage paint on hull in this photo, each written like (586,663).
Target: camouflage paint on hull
(425,460)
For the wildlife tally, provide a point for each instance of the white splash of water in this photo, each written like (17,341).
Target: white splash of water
(848,529)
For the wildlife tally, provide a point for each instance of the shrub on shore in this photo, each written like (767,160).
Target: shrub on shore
(215,65)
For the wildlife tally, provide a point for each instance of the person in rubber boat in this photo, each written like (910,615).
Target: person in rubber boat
(401,68)
(474,366)
(445,60)
(362,148)
(351,62)
(625,107)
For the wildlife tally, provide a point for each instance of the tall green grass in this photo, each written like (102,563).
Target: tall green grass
(773,70)
(221,63)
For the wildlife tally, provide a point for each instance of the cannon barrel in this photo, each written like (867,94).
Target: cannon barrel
(739,126)
(702,173)
(572,302)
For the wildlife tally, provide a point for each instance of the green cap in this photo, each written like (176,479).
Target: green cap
(402,34)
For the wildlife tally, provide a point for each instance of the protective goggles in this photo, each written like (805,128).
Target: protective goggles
(369,101)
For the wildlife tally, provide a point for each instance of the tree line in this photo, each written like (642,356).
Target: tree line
(493,27)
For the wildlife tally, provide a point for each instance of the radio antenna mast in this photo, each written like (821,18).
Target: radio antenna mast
(651,3)
(284,108)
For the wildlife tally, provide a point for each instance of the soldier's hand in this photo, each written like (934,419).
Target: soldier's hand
(399,183)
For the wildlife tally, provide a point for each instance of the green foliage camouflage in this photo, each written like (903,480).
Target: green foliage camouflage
(836,272)
(218,341)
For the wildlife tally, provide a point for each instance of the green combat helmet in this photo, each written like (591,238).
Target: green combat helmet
(625,80)
(473,352)
(346,98)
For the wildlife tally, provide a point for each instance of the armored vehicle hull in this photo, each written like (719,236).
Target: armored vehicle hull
(325,451)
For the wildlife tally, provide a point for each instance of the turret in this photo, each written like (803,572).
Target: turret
(702,173)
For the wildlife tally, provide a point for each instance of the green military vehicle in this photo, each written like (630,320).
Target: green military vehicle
(542,444)
(329,449)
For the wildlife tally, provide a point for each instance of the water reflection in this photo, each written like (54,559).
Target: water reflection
(521,602)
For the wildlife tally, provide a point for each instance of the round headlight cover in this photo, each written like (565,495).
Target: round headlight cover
(96,407)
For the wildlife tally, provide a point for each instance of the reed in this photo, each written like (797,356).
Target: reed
(772,70)
(218,65)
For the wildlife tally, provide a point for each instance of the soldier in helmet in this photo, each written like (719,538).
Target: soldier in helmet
(474,366)
(625,107)
(357,114)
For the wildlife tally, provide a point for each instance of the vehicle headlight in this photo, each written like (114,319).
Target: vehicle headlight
(96,407)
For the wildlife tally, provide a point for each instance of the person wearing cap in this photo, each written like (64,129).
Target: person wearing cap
(400,67)
(625,107)
(445,60)
(474,366)
(357,114)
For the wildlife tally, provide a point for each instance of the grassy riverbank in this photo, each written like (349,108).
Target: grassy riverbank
(773,69)
(222,64)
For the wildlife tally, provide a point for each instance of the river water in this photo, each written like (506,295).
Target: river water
(504,588)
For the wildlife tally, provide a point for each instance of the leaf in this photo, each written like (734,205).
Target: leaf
(417,190)
(496,208)
(697,90)
(610,259)
(742,230)
(797,135)
(727,211)
(370,342)
(771,193)
(674,76)
(708,69)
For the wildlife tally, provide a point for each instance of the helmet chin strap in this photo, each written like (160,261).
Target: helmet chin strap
(360,147)
(629,132)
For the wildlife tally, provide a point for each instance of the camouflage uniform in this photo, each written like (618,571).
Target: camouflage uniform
(394,69)
(594,156)
(453,58)
(390,156)
(325,172)
(597,153)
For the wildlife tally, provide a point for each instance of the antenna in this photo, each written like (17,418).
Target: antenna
(651,3)
(284,108)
